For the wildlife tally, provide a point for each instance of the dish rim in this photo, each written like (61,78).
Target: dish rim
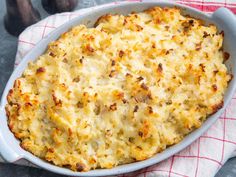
(12,153)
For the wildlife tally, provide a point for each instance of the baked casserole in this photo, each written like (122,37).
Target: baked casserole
(119,92)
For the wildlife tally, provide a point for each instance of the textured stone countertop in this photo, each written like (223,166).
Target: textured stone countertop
(8,46)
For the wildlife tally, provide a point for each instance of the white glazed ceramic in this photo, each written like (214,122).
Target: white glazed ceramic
(223,18)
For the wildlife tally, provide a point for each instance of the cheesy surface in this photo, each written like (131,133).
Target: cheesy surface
(119,92)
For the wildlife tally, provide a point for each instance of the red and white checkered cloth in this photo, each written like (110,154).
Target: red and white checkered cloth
(207,154)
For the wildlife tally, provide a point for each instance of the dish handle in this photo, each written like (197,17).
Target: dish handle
(225,18)
(6,147)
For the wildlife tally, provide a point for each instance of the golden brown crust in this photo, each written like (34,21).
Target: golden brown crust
(40,70)
(120,92)
(217,106)
(103,18)
(226,56)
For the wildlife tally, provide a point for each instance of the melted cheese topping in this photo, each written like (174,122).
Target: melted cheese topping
(119,92)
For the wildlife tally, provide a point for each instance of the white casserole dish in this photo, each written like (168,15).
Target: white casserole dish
(222,18)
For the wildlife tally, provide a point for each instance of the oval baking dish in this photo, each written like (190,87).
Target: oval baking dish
(10,149)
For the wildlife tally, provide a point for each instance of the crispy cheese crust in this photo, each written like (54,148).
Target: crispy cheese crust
(119,92)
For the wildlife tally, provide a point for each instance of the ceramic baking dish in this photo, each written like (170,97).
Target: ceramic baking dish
(222,18)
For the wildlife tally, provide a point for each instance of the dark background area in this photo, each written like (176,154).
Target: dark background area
(8,47)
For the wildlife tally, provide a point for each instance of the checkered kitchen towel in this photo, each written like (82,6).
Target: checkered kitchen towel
(207,154)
